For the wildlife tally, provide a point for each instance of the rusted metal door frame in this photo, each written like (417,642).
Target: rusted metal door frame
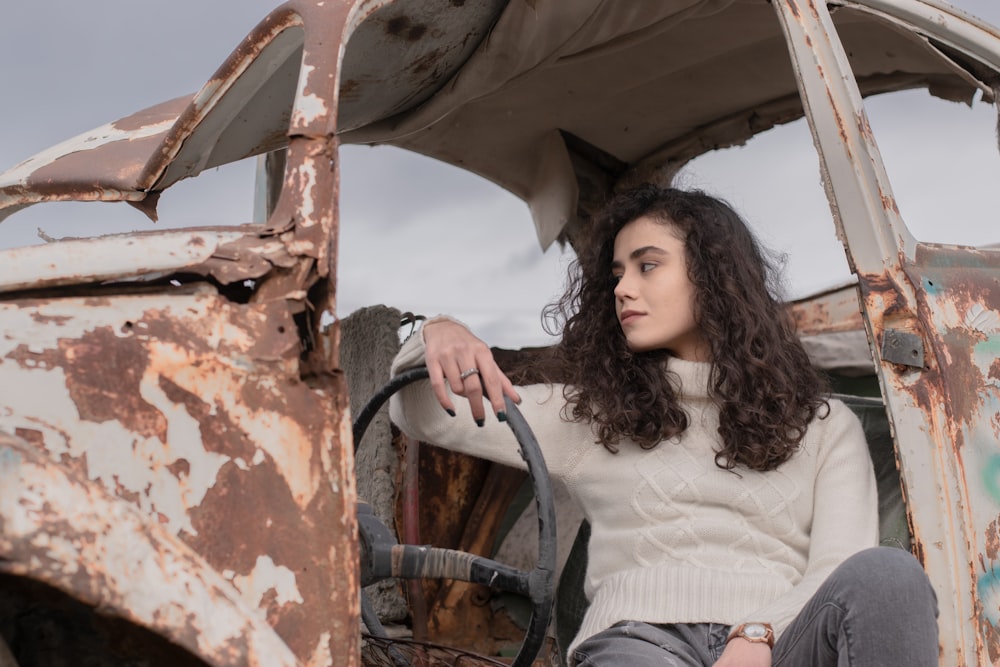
(903,327)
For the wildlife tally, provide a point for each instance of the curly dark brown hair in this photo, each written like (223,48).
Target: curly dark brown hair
(762,381)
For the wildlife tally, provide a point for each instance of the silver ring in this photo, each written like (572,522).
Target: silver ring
(469,373)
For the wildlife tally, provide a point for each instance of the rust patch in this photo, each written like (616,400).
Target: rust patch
(841,128)
(426,62)
(992,540)
(403,27)
(57,320)
(994,371)
(245,514)
(349,89)
(889,202)
(807,318)
(117,165)
(865,127)
(180,468)
(837,311)
(154,115)
(26,358)
(31,436)
(990,633)
(123,492)
(880,289)
(963,373)
(103,376)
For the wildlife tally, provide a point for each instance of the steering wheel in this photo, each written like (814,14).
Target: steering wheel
(382,557)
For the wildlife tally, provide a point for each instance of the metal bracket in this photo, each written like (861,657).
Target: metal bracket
(902,347)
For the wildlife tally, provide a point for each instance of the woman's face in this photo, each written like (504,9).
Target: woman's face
(654,298)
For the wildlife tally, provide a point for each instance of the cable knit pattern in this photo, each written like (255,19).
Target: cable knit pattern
(676,539)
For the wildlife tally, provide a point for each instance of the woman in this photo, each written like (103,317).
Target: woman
(732,504)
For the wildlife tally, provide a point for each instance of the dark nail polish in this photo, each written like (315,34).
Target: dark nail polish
(451,413)
(480,423)
(501,416)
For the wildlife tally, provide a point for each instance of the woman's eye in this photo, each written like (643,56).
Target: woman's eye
(646,266)
(615,279)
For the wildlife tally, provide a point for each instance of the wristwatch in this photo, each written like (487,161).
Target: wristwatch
(758,633)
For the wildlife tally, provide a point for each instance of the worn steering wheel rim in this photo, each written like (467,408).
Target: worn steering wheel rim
(540,581)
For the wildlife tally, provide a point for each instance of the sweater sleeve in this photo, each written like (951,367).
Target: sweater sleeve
(845,513)
(416,411)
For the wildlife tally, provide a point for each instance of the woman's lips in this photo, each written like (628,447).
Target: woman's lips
(629,316)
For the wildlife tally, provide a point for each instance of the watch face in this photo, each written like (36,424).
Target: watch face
(754,631)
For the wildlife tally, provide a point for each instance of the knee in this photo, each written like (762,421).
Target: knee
(878,563)
(890,574)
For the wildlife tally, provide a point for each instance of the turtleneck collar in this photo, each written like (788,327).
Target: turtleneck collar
(693,375)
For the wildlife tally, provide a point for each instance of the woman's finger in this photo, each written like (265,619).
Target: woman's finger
(510,391)
(472,389)
(439,386)
(496,384)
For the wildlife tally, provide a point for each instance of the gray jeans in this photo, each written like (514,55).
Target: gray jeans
(876,610)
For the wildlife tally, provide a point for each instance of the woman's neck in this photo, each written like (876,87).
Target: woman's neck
(693,375)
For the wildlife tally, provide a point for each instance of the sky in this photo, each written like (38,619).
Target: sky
(422,236)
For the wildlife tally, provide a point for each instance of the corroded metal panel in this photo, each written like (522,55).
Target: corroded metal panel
(226,254)
(66,530)
(946,418)
(100,165)
(221,424)
(958,294)
(193,411)
(832,331)
(834,311)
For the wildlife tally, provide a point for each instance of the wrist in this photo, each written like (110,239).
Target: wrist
(441,319)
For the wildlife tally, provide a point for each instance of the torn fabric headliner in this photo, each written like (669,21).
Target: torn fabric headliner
(504,89)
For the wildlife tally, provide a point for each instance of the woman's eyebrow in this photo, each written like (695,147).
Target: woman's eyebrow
(638,252)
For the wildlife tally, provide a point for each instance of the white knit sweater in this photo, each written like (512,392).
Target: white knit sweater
(676,539)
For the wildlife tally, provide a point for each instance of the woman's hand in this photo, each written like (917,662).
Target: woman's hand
(742,653)
(451,351)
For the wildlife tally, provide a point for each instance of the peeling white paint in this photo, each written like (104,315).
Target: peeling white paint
(322,657)
(308,108)
(267,576)
(105,134)
(981,319)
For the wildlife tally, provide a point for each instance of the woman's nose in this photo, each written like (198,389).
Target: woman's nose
(623,288)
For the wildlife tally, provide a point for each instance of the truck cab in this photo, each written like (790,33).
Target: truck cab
(176,452)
